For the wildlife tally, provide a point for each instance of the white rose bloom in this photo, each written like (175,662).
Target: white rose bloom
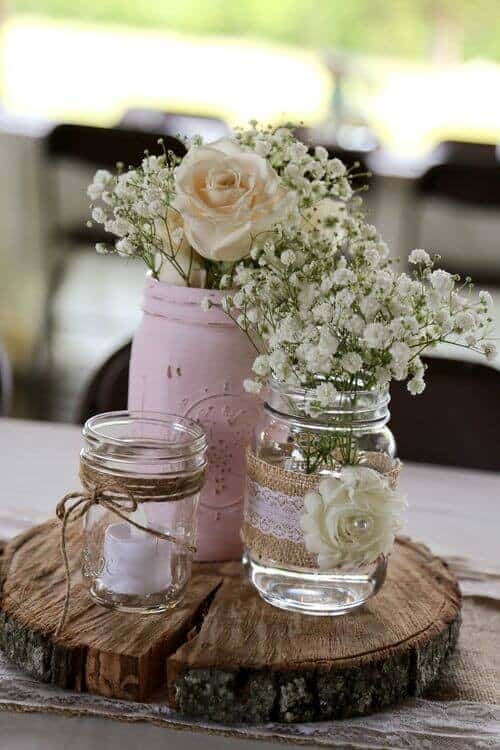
(226,196)
(353,519)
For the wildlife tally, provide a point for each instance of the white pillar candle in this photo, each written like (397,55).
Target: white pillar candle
(135,562)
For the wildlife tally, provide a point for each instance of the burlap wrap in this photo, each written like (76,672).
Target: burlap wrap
(269,547)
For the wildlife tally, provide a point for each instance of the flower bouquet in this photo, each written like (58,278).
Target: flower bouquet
(260,258)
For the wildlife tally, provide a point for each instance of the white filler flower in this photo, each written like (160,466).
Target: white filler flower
(353,519)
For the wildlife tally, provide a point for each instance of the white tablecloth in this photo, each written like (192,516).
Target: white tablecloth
(456,512)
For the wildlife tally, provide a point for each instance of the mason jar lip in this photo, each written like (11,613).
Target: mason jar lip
(159,449)
(289,402)
(298,390)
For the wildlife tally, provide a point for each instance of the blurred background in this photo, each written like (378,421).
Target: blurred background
(409,88)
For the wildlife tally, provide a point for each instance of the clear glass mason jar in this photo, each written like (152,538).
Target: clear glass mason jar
(290,445)
(144,468)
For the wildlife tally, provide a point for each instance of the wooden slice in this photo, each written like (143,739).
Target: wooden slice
(224,654)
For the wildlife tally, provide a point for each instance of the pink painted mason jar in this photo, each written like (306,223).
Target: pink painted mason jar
(189,362)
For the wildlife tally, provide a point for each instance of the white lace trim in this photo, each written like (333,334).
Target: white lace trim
(273,512)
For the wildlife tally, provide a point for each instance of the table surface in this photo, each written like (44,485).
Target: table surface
(456,512)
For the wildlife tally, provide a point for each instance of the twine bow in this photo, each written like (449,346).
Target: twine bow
(120,506)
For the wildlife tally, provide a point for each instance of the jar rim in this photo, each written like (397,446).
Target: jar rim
(152,448)
(298,390)
(361,406)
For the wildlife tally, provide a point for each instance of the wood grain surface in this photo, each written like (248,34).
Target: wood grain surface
(224,653)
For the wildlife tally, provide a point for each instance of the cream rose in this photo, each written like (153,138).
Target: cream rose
(226,196)
(353,519)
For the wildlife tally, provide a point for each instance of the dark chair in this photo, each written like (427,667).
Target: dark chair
(465,152)
(98,148)
(108,389)
(103,147)
(468,184)
(5,383)
(175,124)
(84,146)
(455,421)
(466,175)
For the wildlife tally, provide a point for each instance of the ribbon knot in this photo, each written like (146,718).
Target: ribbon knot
(116,499)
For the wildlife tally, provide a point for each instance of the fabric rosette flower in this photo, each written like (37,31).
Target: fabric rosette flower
(227,195)
(351,519)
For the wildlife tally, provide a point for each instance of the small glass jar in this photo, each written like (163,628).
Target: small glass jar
(145,471)
(291,453)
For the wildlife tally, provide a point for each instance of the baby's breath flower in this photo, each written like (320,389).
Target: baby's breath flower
(261,365)
(252,386)
(416,386)
(325,394)
(420,256)
(318,290)
(352,362)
